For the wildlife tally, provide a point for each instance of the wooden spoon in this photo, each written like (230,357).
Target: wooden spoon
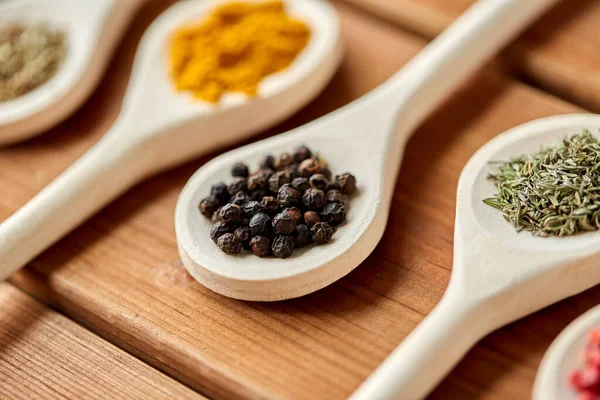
(92,31)
(498,275)
(367,137)
(159,128)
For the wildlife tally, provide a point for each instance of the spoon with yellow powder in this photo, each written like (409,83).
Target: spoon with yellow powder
(259,60)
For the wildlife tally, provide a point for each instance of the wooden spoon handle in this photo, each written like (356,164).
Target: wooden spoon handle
(98,177)
(431,350)
(476,36)
(427,355)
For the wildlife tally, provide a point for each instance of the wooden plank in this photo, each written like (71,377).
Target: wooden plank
(119,274)
(559,53)
(45,355)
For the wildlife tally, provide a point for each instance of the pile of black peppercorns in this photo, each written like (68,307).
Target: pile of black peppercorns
(289,202)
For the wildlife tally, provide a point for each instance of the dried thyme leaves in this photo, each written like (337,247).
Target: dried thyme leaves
(29,56)
(555,192)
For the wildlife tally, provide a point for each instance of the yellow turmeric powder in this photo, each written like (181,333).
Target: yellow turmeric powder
(234,48)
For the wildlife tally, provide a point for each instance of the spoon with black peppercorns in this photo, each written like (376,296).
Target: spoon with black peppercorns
(366,137)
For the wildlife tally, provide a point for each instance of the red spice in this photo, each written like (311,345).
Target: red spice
(586,380)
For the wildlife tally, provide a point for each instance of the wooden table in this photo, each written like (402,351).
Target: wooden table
(119,275)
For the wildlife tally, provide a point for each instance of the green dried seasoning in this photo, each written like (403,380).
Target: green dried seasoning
(554,192)
(29,56)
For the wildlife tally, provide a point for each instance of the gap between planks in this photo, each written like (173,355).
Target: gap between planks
(46,355)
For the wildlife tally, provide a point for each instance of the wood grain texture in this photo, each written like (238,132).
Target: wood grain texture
(559,53)
(45,355)
(119,274)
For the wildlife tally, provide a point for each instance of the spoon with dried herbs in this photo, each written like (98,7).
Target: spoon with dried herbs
(525,237)
(52,55)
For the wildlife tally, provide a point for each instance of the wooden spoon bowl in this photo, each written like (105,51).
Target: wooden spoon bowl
(249,277)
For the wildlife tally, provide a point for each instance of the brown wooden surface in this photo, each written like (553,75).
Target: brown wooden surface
(44,355)
(119,274)
(559,53)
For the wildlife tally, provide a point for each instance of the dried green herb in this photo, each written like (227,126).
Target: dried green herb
(554,192)
(29,56)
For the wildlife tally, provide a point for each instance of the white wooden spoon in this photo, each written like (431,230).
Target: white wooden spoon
(159,128)
(367,138)
(498,275)
(92,31)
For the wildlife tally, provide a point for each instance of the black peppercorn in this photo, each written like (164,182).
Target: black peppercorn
(311,218)
(321,232)
(238,185)
(334,214)
(332,186)
(267,162)
(260,180)
(215,217)
(261,246)
(335,196)
(314,199)
(283,160)
(253,183)
(318,181)
(258,194)
(219,190)
(260,225)
(208,206)
(301,183)
(218,230)
(291,171)
(240,198)
(309,167)
(269,204)
(229,244)
(243,234)
(347,183)
(288,196)
(251,208)
(240,170)
(302,236)
(302,153)
(283,224)
(283,246)
(278,179)
(230,213)
(294,213)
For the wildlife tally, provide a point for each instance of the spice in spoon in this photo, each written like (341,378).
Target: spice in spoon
(29,56)
(554,192)
(290,202)
(586,380)
(234,48)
